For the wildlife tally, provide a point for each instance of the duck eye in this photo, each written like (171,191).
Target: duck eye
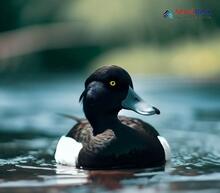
(112,83)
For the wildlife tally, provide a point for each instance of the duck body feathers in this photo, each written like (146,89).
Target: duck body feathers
(134,145)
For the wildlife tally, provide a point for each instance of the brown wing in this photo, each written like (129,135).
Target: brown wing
(139,125)
(81,132)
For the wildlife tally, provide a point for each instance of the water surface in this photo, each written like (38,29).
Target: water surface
(30,129)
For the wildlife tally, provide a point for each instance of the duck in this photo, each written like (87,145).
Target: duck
(105,140)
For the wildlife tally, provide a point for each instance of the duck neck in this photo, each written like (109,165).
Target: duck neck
(102,121)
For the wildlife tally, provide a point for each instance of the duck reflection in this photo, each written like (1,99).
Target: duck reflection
(114,179)
(107,179)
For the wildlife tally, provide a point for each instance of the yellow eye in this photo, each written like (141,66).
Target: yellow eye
(112,83)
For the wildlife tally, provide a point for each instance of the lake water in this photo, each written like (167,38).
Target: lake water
(30,129)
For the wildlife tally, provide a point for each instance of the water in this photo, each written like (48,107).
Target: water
(30,128)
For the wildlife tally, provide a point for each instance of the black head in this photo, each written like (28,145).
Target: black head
(105,89)
(108,90)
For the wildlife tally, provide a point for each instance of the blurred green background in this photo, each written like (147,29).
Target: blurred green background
(72,36)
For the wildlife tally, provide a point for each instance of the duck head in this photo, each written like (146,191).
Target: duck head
(110,89)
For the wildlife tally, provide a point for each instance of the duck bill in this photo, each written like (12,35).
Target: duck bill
(135,103)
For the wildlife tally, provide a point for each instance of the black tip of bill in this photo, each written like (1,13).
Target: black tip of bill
(157,111)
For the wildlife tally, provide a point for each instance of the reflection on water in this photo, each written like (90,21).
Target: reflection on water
(30,128)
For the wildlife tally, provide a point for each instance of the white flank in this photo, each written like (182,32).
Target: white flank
(166,147)
(67,151)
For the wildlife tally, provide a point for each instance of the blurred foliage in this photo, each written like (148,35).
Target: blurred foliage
(190,57)
(130,33)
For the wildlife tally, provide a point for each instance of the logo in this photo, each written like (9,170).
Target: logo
(188,13)
(168,14)
(194,12)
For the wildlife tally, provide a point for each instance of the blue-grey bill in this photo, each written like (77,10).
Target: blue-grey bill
(135,103)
